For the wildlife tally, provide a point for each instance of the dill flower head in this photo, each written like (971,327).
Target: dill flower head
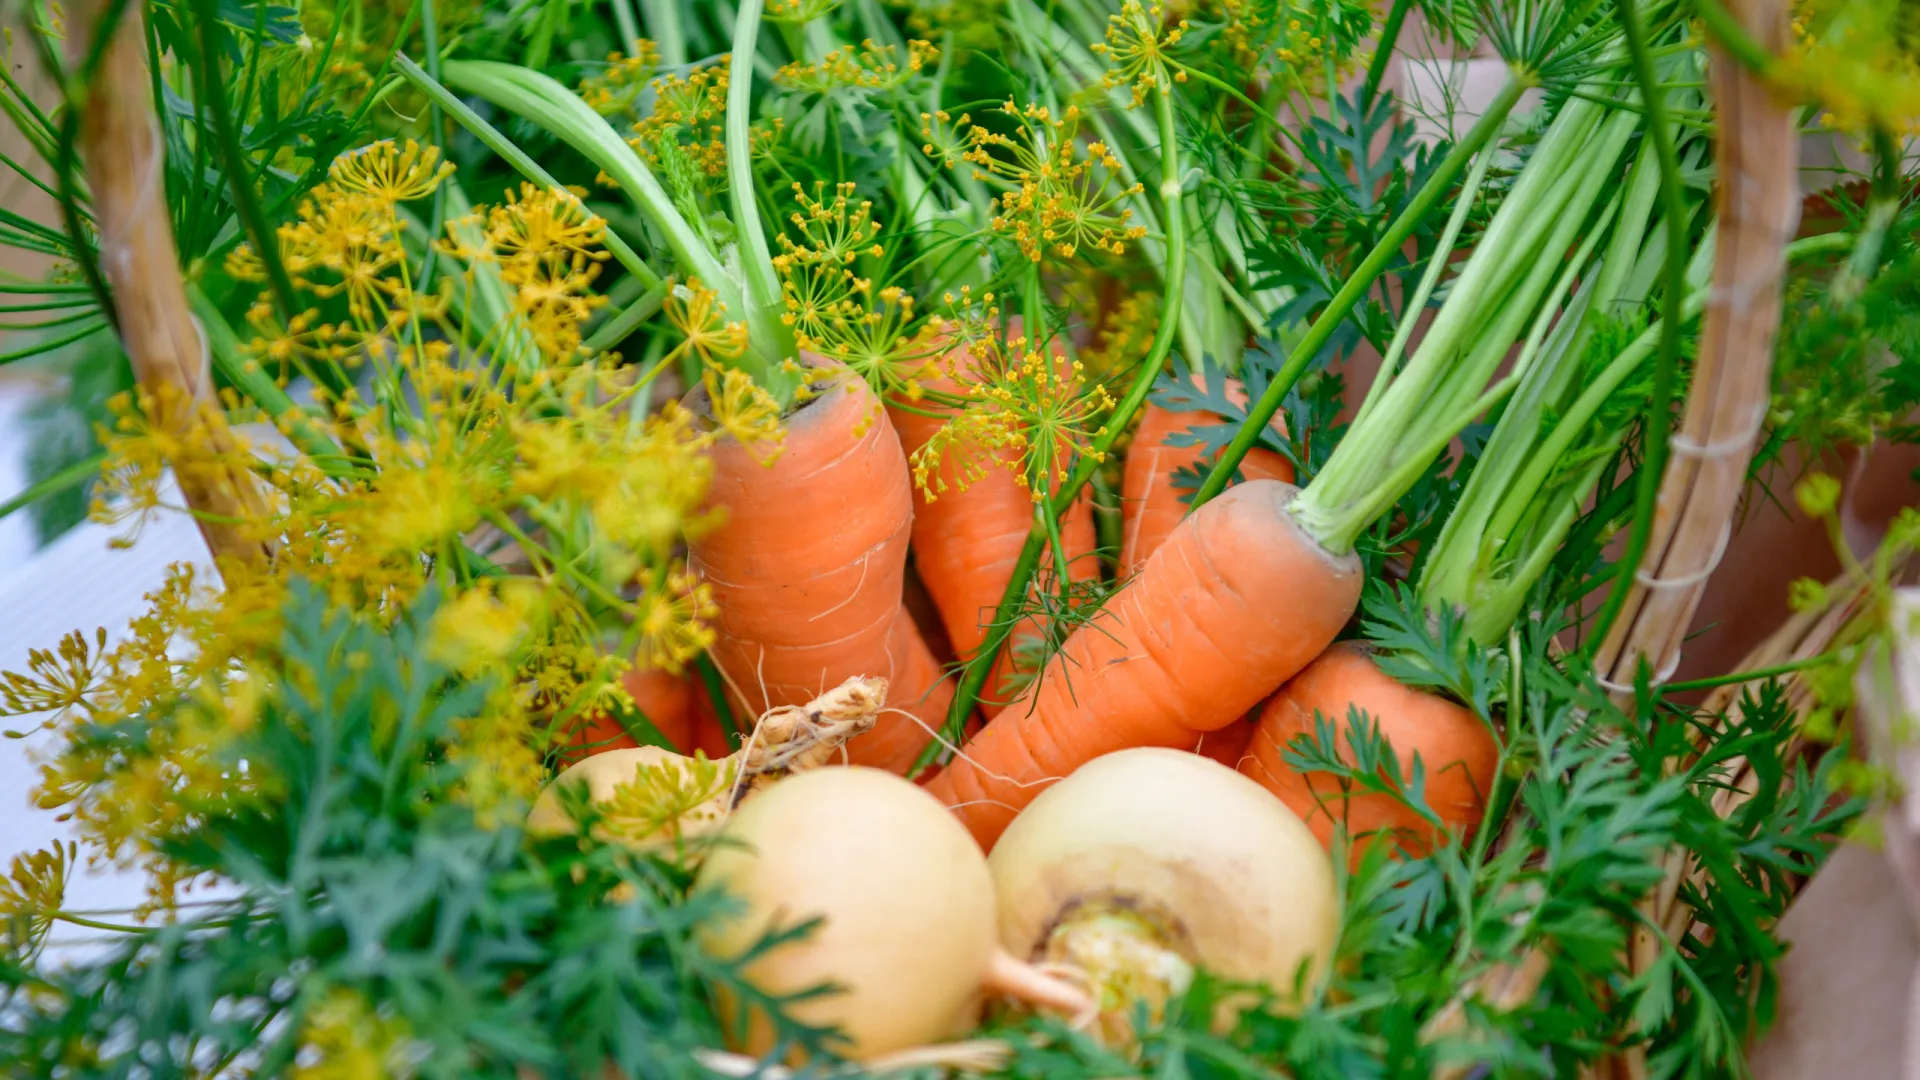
(1860,61)
(1063,196)
(869,67)
(612,91)
(687,116)
(1138,42)
(390,174)
(1027,409)
(800,11)
(700,317)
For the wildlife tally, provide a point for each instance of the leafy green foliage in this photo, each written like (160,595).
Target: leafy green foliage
(1848,362)
(1589,802)
(1309,413)
(377,911)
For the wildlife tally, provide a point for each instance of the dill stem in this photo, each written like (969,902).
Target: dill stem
(974,676)
(1653,462)
(233,161)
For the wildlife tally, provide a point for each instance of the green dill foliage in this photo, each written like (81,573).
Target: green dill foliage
(380,923)
(1590,803)
(1848,363)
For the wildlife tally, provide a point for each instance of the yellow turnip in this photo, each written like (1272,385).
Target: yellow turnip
(1146,864)
(906,907)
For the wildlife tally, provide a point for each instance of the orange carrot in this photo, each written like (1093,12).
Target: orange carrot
(807,569)
(1150,504)
(965,542)
(1233,604)
(1457,752)
(1229,744)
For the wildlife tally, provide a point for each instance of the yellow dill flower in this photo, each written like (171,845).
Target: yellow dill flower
(390,174)
(1859,60)
(345,1038)
(612,90)
(145,442)
(1062,197)
(34,888)
(701,318)
(687,111)
(869,67)
(674,623)
(1137,47)
(480,628)
(878,343)
(799,11)
(744,411)
(354,237)
(833,311)
(1027,411)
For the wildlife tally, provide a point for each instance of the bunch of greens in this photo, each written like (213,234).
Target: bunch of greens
(383,916)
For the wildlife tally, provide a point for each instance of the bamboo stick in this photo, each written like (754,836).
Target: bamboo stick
(125,173)
(1759,206)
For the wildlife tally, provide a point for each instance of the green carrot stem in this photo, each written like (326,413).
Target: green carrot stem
(1383,52)
(763,303)
(1369,270)
(1653,464)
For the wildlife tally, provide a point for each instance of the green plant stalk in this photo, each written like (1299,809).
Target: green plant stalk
(1383,52)
(763,298)
(717,693)
(233,160)
(1462,550)
(663,22)
(1653,464)
(437,125)
(1356,286)
(73,475)
(40,347)
(974,676)
(494,140)
(1442,255)
(230,360)
(625,22)
(1487,307)
(611,332)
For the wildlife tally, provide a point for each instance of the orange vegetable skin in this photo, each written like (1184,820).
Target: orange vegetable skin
(966,542)
(1457,751)
(1150,504)
(1233,604)
(666,700)
(807,569)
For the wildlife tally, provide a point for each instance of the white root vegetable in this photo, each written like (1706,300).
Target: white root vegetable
(906,908)
(1147,864)
(650,794)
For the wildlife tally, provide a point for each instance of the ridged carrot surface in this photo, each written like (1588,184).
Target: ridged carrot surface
(1150,504)
(1235,602)
(965,542)
(806,571)
(1456,749)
